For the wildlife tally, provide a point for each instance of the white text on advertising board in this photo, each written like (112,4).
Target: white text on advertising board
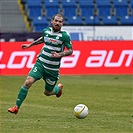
(101,58)
(97,58)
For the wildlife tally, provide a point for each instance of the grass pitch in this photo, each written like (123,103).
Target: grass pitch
(109,99)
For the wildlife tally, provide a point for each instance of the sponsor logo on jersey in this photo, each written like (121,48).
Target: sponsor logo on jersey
(53,41)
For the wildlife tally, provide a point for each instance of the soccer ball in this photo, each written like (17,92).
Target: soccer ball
(81,111)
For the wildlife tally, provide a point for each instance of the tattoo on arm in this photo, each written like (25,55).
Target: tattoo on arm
(38,41)
(66,53)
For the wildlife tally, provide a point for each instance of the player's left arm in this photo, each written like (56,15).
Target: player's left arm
(62,54)
(66,52)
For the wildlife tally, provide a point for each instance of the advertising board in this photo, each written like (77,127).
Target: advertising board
(99,33)
(89,57)
(78,33)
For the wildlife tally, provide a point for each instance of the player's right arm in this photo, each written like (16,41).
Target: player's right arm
(36,42)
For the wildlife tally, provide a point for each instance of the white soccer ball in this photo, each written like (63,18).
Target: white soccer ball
(81,111)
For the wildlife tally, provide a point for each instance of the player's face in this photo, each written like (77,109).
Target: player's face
(57,23)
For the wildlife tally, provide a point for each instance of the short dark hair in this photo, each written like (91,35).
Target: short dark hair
(59,15)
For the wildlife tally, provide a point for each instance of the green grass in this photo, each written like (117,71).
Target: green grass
(109,99)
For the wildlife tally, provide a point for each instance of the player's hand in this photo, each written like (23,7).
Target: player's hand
(55,55)
(24,46)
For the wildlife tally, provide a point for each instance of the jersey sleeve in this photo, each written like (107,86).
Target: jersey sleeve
(67,41)
(43,32)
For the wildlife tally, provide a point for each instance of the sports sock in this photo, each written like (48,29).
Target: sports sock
(56,89)
(21,96)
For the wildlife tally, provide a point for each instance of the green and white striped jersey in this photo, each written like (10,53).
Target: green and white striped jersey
(53,42)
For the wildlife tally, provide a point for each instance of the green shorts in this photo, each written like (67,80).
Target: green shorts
(38,72)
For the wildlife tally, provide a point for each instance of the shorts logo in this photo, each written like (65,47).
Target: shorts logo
(50,82)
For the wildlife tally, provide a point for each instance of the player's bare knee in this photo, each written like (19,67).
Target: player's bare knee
(28,82)
(47,93)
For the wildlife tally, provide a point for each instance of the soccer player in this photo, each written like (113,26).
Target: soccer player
(48,61)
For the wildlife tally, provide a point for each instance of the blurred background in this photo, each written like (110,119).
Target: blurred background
(84,19)
(89,23)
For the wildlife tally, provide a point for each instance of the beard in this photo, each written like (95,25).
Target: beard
(56,28)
